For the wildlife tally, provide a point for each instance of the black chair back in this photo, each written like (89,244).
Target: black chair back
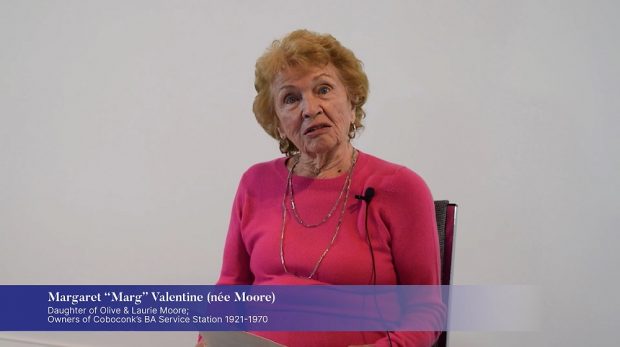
(445,213)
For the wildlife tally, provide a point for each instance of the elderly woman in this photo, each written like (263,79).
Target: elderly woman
(311,217)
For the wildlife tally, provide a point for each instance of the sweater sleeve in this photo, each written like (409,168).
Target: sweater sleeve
(236,259)
(410,218)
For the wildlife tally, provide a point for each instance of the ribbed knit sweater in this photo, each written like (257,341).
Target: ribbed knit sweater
(401,224)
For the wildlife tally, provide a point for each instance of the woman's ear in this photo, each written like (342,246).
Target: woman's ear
(353,115)
(278,128)
(280,133)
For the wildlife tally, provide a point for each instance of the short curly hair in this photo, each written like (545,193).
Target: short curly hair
(304,49)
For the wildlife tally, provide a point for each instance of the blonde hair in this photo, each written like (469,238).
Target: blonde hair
(304,49)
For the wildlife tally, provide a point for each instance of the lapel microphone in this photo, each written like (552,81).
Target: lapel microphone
(369,193)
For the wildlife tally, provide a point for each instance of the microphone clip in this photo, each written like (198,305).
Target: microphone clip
(369,193)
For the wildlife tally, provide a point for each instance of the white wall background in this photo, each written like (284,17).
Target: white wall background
(125,126)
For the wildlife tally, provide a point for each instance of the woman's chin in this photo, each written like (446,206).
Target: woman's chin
(320,146)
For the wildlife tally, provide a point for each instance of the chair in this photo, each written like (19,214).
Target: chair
(445,213)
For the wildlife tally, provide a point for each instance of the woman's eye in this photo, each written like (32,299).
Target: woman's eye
(290,98)
(324,89)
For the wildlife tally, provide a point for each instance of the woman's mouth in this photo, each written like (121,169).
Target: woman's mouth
(314,128)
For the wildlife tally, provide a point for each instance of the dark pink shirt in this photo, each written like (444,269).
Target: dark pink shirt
(401,223)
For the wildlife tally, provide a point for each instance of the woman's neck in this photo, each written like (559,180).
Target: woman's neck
(325,165)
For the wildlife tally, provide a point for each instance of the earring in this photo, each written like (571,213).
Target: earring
(283,143)
(352,130)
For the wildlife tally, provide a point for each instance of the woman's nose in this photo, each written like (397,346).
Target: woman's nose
(311,107)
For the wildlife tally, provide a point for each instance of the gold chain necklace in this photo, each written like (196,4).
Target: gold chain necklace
(289,187)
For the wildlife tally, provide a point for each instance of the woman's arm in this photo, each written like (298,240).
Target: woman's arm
(410,218)
(236,259)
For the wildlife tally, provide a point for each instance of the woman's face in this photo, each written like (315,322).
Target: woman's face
(313,108)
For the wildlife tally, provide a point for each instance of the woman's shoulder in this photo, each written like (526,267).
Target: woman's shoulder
(392,176)
(376,163)
(383,167)
(266,166)
(265,171)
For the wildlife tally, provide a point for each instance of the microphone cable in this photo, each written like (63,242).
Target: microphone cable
(367,197)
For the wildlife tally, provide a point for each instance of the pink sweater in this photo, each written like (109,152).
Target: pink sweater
(401,223)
